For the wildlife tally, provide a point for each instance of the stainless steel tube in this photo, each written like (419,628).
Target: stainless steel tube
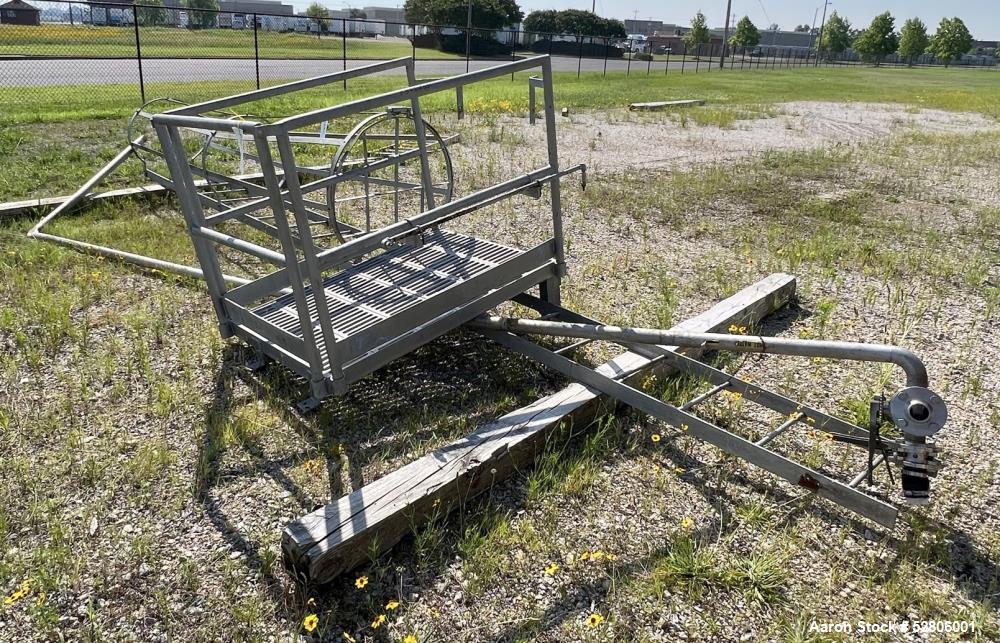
(916,373)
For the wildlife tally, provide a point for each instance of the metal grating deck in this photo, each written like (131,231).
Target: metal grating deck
(362,295)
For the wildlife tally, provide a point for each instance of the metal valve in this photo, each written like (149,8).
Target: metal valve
(919,413)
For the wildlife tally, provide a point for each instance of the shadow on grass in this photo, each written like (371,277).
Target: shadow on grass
(450,385)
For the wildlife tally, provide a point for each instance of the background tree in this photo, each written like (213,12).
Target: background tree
(318,12)
(574,21)
(951,40)
(698,35)
(802,28)
(152,14)
(202,12)
(913,40)
(357,14)
(486,14)
(836,35)
(546,21)
(878,40)
(746,34)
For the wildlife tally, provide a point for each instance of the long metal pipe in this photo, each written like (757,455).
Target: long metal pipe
(139,260)
(916,373)
(80,194)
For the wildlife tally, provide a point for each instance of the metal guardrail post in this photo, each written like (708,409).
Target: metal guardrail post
(256,50)
(138,52)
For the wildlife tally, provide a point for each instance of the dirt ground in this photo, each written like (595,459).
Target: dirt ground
(148,478)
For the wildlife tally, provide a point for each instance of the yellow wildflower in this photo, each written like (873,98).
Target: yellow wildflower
(551,569)
(349,638)
(678,470)
(410,638)
(361,582)
(687,523)
(810,420)
(310,622)
(655,437)
(378,621)
(684,427)
(585,555)
(391,605)
(594,620)
(611,557)
(828,437)
(596,556)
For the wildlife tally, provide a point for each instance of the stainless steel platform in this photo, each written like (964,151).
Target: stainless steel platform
(340,306)
(366,294)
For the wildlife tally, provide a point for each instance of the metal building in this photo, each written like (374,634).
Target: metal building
(17,12)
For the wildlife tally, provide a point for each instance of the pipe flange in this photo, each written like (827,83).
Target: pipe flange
(918,411)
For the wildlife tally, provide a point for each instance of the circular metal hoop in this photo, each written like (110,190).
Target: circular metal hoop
(380,139)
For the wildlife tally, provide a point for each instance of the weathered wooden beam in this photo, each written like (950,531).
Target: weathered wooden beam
(665,104)
(336,538)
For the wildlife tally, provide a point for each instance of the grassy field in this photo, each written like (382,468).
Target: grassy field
(145,475)
(88,126)
(165,42)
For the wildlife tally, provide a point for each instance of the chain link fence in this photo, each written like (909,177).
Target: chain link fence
(138,52)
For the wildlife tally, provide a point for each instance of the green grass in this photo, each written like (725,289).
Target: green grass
(122,406)
(167,42)
(952,89)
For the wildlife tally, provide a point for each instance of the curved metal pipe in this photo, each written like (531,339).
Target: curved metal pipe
(916,372)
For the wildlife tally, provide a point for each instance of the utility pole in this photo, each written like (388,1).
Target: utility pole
(468,37)
(725,35)
(822,24)
(593,7)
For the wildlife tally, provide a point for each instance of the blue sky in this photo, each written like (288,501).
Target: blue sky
(981,16)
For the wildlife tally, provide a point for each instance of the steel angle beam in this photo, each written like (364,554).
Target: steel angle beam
(881,512)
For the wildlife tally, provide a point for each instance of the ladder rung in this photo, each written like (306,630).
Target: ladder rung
(690,404)
(572,347)
(787,424)
(864,474)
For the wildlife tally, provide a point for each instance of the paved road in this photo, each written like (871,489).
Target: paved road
(44,73)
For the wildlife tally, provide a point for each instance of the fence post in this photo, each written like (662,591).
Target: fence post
(666,68)
(628,62)
(413,43)
(256,50)
(513,51)
(711,51)
(343,46)
(684,55)
(605,56)
(697,58)
(579,57)
(138,52)
(468,40)
(649,63)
